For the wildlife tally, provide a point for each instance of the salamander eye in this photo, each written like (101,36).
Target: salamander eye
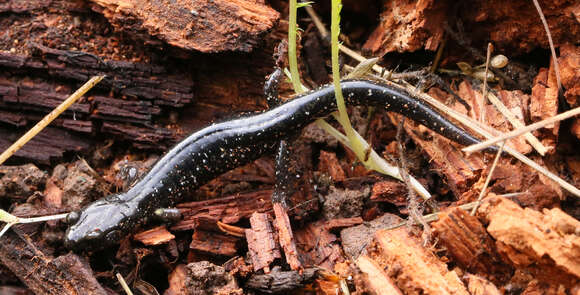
(72,217)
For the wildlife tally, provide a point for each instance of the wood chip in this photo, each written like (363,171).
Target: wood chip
(414,269)
(480,286)
(286,236)
(155,236)
(378,282)
(262,244)
(329,164)
(214,243)
(469,244)
(546,243)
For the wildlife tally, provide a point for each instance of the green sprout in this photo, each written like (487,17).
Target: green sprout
(353,140)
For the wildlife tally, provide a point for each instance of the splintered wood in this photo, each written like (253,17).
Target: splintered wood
(286,237)
(545,243)
(204,25)
(262,243)
(414,269)
(377,279)
(469,244)
(410,26)
(155,236)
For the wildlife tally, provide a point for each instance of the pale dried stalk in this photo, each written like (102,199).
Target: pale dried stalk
(49,118)
(532,140)
(520,131)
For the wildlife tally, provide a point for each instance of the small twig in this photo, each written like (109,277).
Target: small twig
(49,118)
(487,58)
(520,131)
(488,178)
(545,23)
(123,284)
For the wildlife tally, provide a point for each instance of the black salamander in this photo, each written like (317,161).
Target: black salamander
(221,147)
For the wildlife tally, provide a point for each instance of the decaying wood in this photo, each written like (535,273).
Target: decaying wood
(279,282)
(411,26)
(378,282)
(469,244)
(317,246)
(355,239)
(19,182)
(155,236)
(201,278)
(480,286)
(286,236)
(414,269)
(214,243)
(262,243)
(44,274)
(207,26)
(329,164)
(544,104)
(545,243)
(391,191)
(569,62)
(229,209)
(50,144)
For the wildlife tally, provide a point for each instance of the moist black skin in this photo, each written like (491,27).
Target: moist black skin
(221,147)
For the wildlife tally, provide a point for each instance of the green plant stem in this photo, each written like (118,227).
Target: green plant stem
(292,54)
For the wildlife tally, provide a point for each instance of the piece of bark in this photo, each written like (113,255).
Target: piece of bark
(391,191)
(355,239)
(537,287)
(480,286)
(49,144)
(545,243)
(43,274)
(155,236)
(141,137)
(317,246)
(569,63)
(229,209)
(340,223)
(201,278)
(214,243)
(262,243)
(411,266)
(459,170)
(20,182)
(469,244)
(207,26)
(329,164)
(544,104)
(408,27)
(339,203)
(286,236)
(163,86)
(377,280)
(281,282)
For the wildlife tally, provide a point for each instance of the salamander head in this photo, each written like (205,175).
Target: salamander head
(99,225)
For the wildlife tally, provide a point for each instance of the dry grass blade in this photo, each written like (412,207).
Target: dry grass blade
(123,284)
(488,178)
(49,118)
(545,23)
(520,131)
